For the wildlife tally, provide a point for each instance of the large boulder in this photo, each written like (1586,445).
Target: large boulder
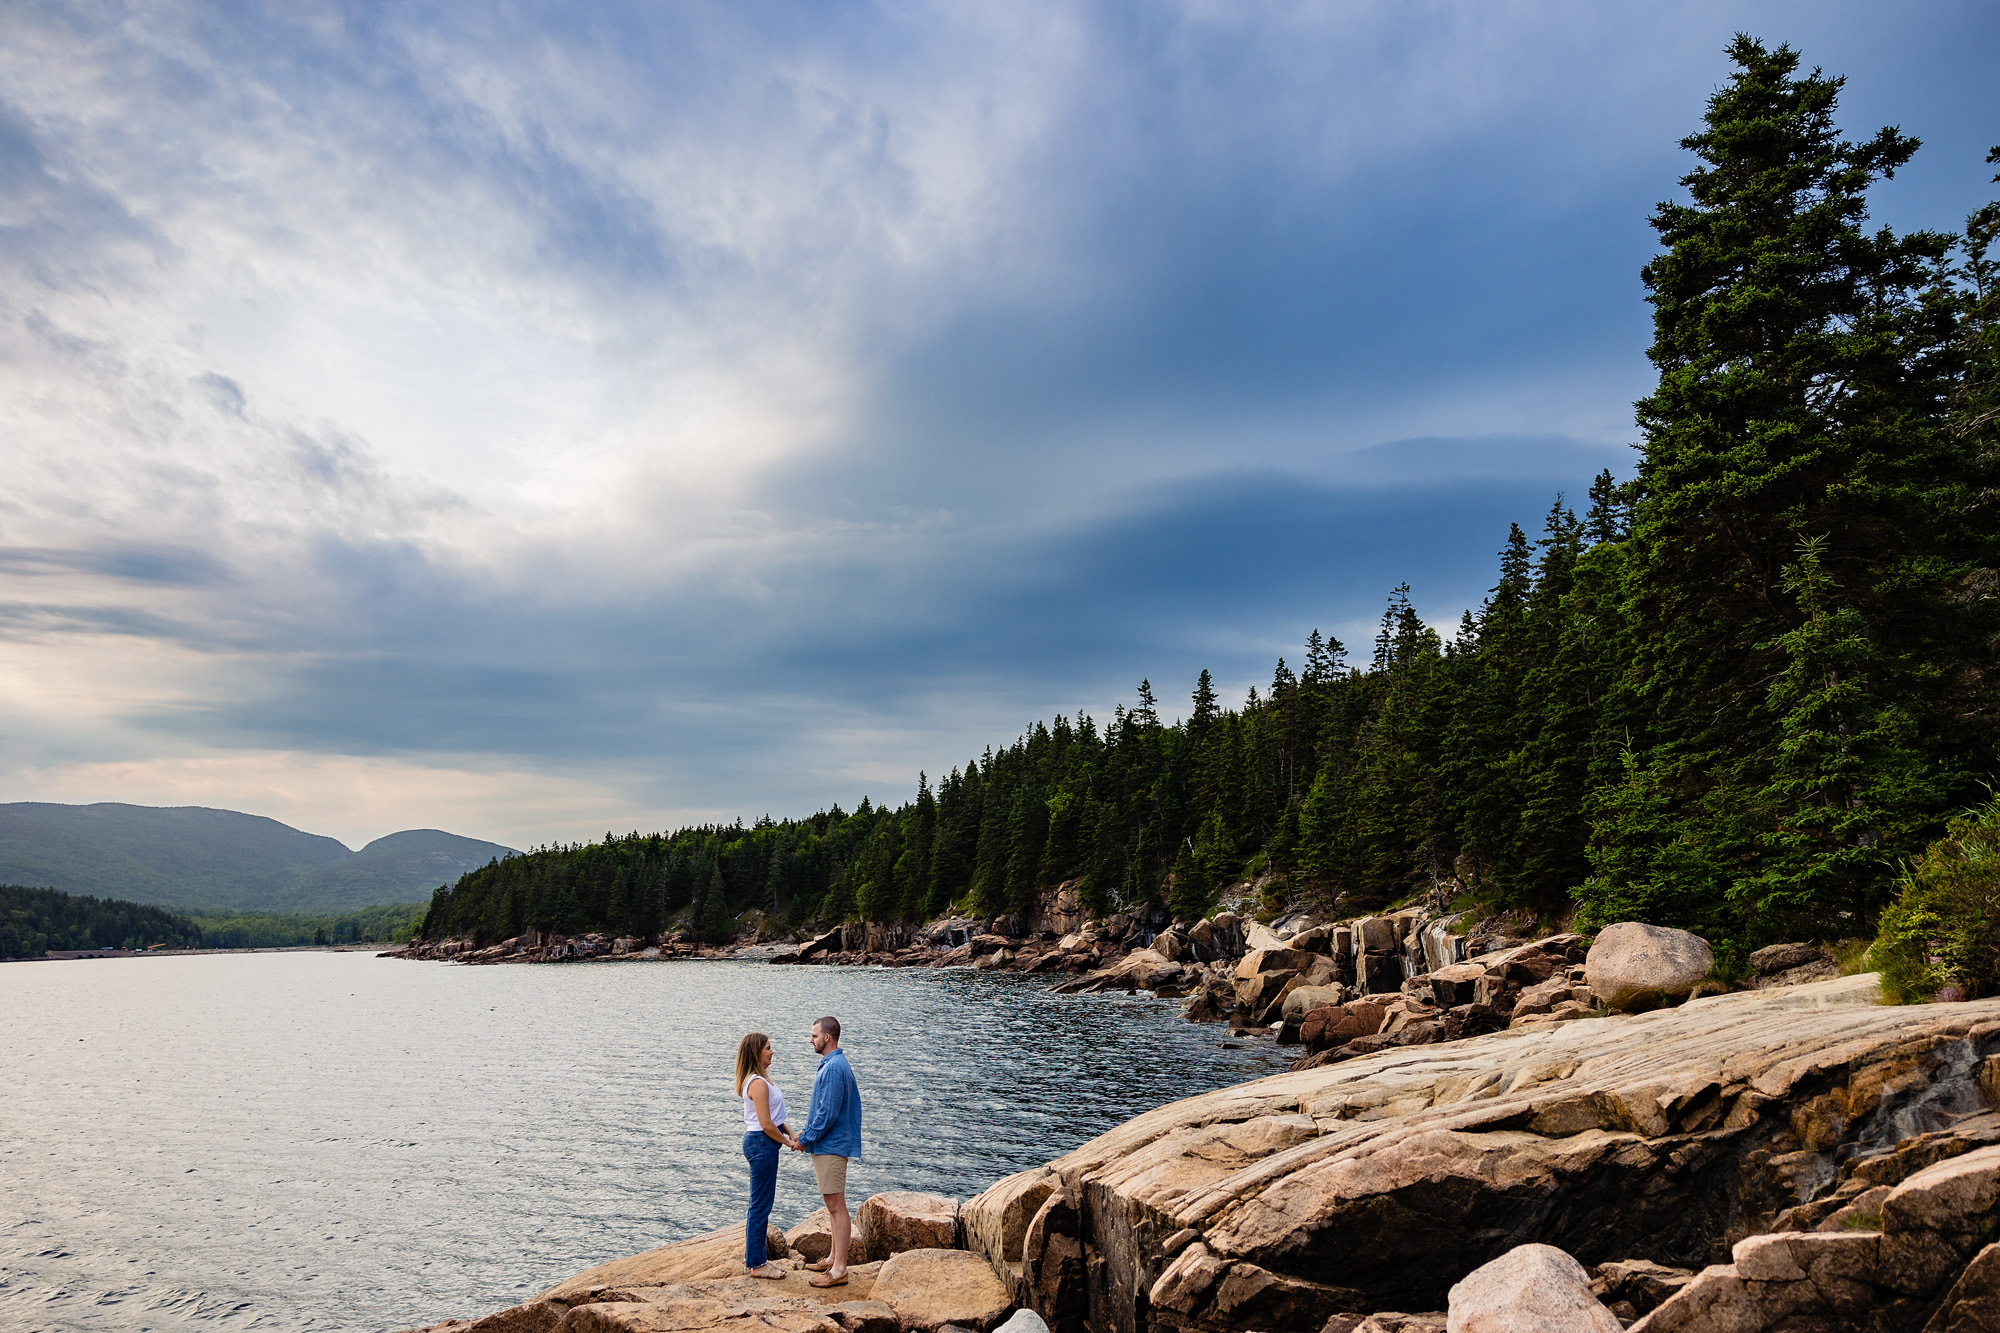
(1379,934)
(1279,959)
(1055,1282)
(898,1220)
(1257,935)
(1633,966)
(1024,1321)
(1633,1287)
(1323,971)
(950,933)
(812,1239)
(995,1222)
(820,944)
(1529,1289)
(1061,911)
(1439,943)
(1791,965)
(1223,934)
(1257,993)
(1314,939)
(1379,973)
(1337,1024)
(1305,999)
(1142,969)
(1454,985)
(929,1289)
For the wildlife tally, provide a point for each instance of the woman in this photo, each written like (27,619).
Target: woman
(764,1132)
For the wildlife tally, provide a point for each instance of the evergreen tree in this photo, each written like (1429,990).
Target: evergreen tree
(957,837)
(1802,371)
(1323,660)
(989,874)
(1027,837)
(777,876)
(1850,779)
(1205,710)
(1483,730)
(1190,890)
(1147,715)
(1610,515)
(711,917)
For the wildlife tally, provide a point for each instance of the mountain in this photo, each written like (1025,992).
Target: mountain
(400,868)
(199,860)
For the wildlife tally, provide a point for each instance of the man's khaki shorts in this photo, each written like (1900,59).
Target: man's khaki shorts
(830,1172)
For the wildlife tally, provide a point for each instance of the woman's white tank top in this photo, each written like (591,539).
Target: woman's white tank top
(751,1124)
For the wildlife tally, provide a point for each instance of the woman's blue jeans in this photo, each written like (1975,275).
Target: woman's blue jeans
(762,1151)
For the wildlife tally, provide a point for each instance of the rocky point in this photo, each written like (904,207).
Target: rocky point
(1784,1157)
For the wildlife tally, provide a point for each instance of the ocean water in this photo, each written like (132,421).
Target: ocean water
(337,1141)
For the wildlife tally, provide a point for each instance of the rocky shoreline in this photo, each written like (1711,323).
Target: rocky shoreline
(1338,988)
(1792,1158)
(1481,1134)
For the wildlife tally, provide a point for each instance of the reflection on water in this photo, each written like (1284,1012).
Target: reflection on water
(336,1141)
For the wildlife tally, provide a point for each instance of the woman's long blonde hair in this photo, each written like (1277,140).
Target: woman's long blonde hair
(749,1058)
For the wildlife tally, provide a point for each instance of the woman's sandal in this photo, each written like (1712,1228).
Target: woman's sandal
(828,1280)
(769,1272)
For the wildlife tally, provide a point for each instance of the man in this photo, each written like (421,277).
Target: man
(832,1135)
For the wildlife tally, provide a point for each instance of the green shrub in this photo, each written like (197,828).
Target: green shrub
(1944,927)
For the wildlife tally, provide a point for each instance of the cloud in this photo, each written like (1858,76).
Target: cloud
(702,410)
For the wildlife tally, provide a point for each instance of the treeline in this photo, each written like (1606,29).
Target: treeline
(33,921)
(391,923)
(1736,694)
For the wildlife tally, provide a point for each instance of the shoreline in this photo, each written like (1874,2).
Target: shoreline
(1338,989)
(1781,1155)
(89,955)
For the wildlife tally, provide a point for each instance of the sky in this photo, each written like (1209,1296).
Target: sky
(534,420)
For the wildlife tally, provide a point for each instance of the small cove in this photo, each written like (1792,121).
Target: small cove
(321,1141)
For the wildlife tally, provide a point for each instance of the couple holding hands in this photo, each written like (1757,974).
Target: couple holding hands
(832,1134)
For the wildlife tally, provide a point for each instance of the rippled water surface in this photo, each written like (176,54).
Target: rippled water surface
(337,1141)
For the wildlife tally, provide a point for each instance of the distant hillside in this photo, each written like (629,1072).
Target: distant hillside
(35,920)
(200,860)
(400,868)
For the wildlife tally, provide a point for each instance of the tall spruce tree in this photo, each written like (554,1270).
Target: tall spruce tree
(1555,721)
(1804,365)
(1850,781)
